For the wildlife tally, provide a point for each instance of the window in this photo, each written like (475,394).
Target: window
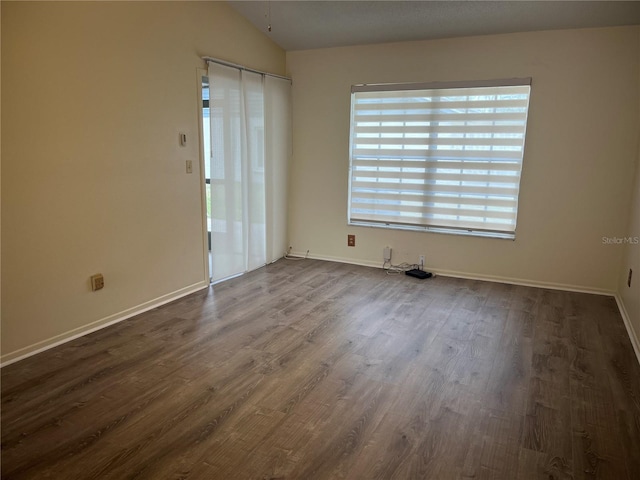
(438,157)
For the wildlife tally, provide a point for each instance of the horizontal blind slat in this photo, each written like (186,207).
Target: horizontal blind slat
(462,177)
(443,154)
(416,104)
(462,128)
(442,198)
(438,188)
(469,141)
(426,211)
(441,117)
(498,166)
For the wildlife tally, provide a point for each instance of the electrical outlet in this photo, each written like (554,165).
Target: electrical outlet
(386,254)
(629,278)
(97,282)
(421,260)
(351,240)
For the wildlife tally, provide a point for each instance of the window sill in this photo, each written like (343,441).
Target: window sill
(444,230)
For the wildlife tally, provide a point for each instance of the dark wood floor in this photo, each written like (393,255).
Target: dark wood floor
(318,370)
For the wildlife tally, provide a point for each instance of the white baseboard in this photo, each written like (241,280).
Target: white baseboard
(362,263)
(526,283)
(43,345)
(627,323)
(471,276)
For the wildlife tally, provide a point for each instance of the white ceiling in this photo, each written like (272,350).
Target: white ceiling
(302,24)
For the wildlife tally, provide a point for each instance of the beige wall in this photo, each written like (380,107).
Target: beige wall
(630,296)
(580,153)
(93,178)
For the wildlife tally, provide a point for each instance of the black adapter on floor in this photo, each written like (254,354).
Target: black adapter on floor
(421,274)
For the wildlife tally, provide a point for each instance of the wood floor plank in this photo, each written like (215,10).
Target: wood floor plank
(500,445)
(319,370)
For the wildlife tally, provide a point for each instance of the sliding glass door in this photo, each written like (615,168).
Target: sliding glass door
(247,145)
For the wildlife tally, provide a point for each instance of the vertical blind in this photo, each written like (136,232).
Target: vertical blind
(237,171)
(443,157)
(250,149)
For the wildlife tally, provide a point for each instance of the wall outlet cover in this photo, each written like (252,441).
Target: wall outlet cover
(97,282)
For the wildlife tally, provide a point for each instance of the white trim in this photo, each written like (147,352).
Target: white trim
(471,276)
(43,345)
(526,283)
(200,72)
(362,263)
(627,323)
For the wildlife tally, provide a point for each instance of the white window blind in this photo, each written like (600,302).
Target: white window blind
(442,157)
